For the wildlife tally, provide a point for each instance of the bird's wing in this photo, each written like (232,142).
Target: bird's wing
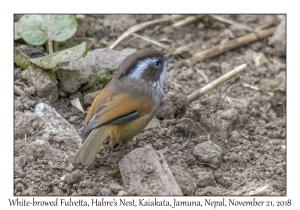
(115,109)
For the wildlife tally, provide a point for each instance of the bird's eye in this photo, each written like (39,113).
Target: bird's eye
(157,64)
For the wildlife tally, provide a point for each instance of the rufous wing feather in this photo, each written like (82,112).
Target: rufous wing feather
(121,109)
(108,109)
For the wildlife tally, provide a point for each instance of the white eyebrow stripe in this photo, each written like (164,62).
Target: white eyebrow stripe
(141,66)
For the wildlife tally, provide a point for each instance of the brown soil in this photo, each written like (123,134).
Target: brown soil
(249,125)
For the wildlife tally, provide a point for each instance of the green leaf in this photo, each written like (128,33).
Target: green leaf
(21,59)
(52,60)
(16,34)
(80,16)
(36,29)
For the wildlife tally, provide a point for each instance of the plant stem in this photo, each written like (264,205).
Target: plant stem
(56,46)
(197,94)
(17,90)
(232,44)
(50,46)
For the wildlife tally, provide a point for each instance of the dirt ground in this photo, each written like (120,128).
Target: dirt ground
(240,130)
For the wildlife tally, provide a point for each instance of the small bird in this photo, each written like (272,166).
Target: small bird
(127,103)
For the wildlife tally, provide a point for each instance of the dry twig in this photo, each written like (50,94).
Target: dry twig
(187,20)
(265,26)
(150,40)
(197,94)
(232,44)
(202,74)
(136,28)
(231,22)
(250,86)
(17,90)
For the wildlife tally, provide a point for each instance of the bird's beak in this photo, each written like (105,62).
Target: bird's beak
(167,56)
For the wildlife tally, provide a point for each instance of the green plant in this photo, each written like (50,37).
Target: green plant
(36,30)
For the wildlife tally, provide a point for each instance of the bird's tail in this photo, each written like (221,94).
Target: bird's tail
(90,147)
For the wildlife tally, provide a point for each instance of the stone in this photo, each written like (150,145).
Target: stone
(235,134)
(144,164)
(62,93)
(56,128)
(173,103)
(105,191)
(73,119)
(70,81)
(89,98)
(208,153)
(115,187)
(28,103)
(35,125)
(44,82)
(122,193)
(223,178)
(185,181)
(75,177)
(228,114)
(30,90)
(45,86)
(19,187)
(278,40)
(206,179)
(90,72)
